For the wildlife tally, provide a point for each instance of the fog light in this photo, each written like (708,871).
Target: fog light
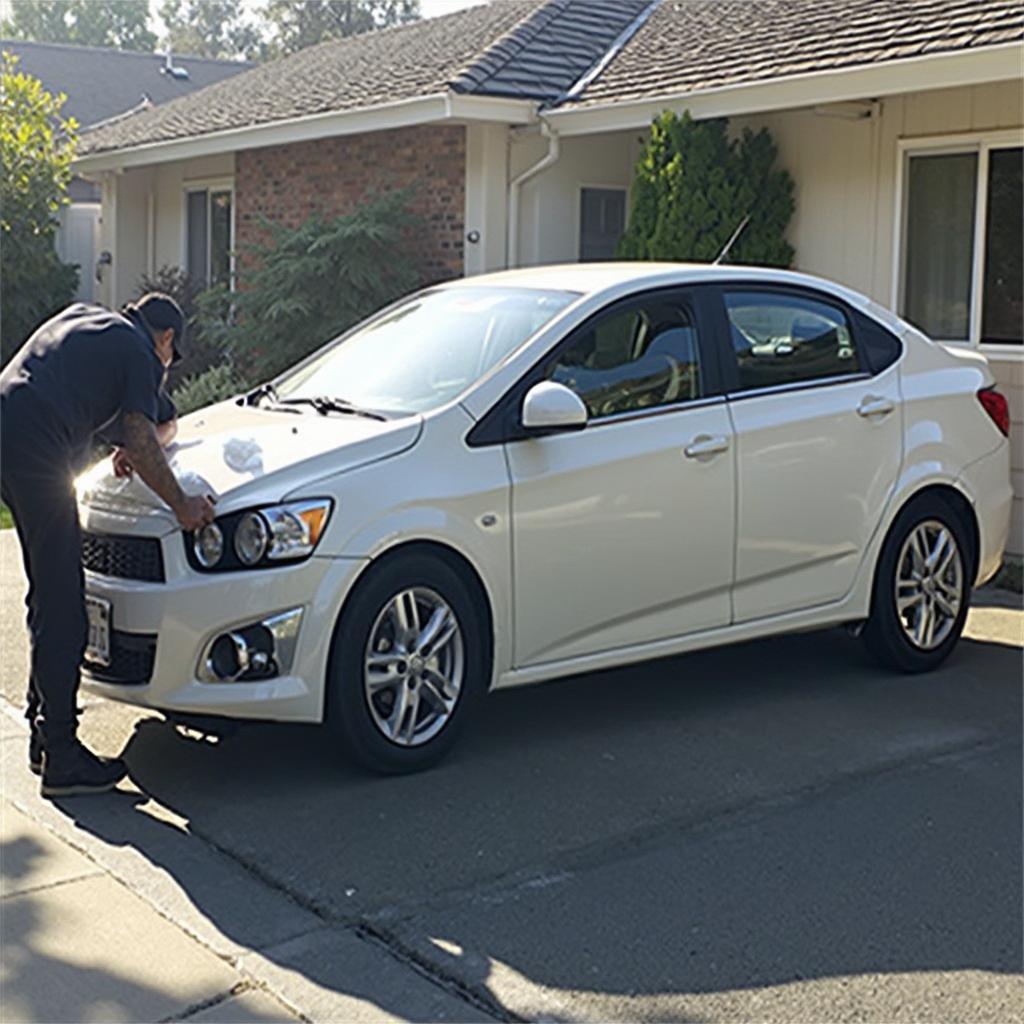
(259,650)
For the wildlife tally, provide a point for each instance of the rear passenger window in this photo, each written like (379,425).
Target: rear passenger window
(786,339)
(638,358)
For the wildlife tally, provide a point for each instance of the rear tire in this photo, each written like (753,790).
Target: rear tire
(398,697)
(922,588)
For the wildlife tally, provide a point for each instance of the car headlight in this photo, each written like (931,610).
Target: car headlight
(251,536)
(259,538)
(208,545)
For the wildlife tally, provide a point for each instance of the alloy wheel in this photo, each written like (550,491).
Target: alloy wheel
(414,666)
(929,584)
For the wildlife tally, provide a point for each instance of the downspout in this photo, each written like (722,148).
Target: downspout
(516,184)
(150,233)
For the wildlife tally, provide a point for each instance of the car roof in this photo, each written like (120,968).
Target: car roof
(593,278)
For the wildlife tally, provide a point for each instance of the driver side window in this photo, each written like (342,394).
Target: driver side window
(633,359)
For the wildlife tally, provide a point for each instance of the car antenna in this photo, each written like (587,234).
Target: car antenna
(728,245)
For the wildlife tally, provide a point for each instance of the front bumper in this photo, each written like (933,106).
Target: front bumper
(190,609)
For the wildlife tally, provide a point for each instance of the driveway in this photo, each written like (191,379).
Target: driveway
(773,831)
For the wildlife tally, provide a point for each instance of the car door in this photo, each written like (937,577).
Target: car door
(817,420)
(623,531)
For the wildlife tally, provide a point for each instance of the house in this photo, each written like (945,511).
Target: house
(101,85)
(901,121)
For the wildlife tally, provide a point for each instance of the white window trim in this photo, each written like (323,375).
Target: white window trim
(208,185)
(578,213)
(981,143)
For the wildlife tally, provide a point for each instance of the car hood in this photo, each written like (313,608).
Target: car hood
(244,455)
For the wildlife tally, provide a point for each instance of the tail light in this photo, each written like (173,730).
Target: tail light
(998,409)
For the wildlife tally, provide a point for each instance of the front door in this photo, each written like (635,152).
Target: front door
(623,532)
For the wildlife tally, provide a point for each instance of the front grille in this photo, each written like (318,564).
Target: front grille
(131,659)
(130,558)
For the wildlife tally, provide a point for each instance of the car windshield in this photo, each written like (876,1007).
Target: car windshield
(426,351)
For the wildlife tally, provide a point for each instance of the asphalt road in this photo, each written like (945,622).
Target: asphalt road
(777,831)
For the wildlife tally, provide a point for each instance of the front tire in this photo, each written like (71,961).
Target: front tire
(409,664)
(922,588)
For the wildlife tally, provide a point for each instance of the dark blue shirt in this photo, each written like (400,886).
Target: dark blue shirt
(77,375)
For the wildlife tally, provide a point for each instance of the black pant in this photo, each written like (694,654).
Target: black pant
(37,486)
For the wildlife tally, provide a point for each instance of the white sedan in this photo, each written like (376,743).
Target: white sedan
(516,477)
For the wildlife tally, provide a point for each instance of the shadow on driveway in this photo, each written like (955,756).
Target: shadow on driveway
(624,845)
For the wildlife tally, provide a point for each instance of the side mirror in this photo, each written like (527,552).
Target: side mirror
(550,408)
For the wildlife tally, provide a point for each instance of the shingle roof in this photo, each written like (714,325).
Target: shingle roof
(537,49)
(543,55)
(102,83)
(531,49)
(690,45)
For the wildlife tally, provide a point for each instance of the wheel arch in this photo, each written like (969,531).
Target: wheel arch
(453,558)
(957,502)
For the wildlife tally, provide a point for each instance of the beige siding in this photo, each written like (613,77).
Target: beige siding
(550,203)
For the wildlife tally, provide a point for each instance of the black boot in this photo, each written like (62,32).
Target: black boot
(35,748)
(70,769)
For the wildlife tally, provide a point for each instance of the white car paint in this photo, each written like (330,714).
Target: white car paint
(594,548)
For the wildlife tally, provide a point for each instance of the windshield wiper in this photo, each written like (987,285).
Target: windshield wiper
(325,404)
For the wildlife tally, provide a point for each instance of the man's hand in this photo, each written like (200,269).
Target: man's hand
(122,464)
(195,511)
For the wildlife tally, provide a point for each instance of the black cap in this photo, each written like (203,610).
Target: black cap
(159,312)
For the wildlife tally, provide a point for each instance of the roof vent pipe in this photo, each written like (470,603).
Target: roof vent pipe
(172,69)
(516,184)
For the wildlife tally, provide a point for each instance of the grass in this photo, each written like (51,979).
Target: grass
(1010,575)
(6,522)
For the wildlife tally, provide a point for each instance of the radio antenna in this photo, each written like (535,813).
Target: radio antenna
(728,245)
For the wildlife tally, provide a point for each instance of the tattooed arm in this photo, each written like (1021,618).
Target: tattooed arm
(148,460)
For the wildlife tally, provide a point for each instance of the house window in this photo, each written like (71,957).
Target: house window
(961,272)
(208,235)
(602,221)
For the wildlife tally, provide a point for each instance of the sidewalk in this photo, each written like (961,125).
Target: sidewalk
(95,930)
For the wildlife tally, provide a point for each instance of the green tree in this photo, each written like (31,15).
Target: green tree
(302,286)
(693,188)
(296,24)
(118,23)
(209,28)
(36,147)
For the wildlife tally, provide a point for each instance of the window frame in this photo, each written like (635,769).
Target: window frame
(728,366)
(501,425)
(209,186)
(981,143)
(580,186)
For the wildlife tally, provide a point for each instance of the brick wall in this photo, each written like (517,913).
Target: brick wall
(287,183)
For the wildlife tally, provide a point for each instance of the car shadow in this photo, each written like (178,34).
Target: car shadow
(732,819)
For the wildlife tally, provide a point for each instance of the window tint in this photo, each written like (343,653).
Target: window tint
(602,220)
(1002,308)
(635,359)
(940,243)
(879,347)
(208,242)
(785,339)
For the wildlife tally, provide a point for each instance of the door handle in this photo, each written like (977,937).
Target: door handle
(874,405)
(705,444)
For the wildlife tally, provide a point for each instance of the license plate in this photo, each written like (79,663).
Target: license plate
(97,648)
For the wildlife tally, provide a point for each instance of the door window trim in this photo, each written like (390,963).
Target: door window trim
(980,143)
(497,425)
(729,372)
